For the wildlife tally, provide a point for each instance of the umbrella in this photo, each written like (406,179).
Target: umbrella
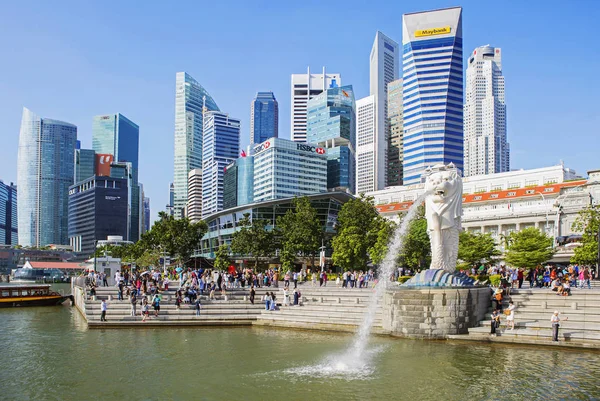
(179,269)
(146,272)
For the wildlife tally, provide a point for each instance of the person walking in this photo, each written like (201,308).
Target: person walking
(103,307)
(133,300)
(555,320)
(145,309)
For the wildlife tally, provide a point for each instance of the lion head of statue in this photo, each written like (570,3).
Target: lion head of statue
(444,185)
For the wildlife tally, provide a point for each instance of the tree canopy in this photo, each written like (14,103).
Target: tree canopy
(222,260)
(416,249)
(587,223)
(253,239)
(300,231)
(358,229)
(475,249)
(528,248)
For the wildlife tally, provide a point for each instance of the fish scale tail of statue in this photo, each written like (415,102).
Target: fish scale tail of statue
(443,211)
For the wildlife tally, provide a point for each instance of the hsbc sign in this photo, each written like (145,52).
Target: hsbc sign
(309,148)
(262,146)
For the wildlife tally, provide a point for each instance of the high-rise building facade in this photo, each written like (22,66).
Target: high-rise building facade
(8,214)
(220,147)
(193,209)
(190,98)
(45,170)
(264,118)
(146,213)
(432,91)
(332,125)
(384,66)
(486,148)
(85,160)
(366,146)
(98,207)
(116,135)
(395,142)
(285,169)
(304,88)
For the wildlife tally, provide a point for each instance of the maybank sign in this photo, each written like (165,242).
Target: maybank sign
(433,31)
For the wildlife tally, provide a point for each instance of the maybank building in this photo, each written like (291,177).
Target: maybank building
(433,90)
(285,169)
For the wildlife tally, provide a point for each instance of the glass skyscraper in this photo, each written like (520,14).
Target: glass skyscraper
(115,134)
(85,163)
(395,147)
(432,91)
(8,214)
(45,170)
(190,97)
(264,118)
(332,125)
(220,147)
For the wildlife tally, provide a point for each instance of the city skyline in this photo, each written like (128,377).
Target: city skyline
(538,118)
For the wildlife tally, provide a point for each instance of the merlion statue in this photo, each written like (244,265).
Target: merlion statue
(443,210)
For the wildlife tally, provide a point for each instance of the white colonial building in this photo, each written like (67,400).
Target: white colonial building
(547,198)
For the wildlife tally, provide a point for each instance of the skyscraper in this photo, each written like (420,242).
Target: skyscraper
(220,147)
(264,118)
(332,125)
(8,214)
(116,135)
(193,210)
(190,97)
(85,160)
(146,213)
(395,143)
(486,148)
(45,170)
(305,87)
(384,66)
(366,147)
(433,91)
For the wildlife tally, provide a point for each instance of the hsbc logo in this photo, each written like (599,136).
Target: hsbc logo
(262,146)
(309,148)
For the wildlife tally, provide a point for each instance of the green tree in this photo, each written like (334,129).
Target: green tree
(222,260)
(475,249)
(358,227)
(150,257)
(416,250)
(587,223)
(253,239)
(300,231)
(528,248)
(379,249)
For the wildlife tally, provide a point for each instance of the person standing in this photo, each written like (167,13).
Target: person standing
(252,295)
(495,323)
(104,280)
(103,307)
(197,304)
(295,277)
(267,301)
(133,300)
(510,318)
(555,320)
(120,292)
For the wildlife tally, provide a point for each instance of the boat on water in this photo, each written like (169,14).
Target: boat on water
(30,295)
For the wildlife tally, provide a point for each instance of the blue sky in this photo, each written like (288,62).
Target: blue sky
(71,60)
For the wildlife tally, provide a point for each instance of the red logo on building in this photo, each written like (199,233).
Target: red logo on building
(320,151)
(267,145)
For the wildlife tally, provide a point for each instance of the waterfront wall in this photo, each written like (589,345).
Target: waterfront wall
(79,295)
(433,312)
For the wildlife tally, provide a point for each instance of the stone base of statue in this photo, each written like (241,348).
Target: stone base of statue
(440,278)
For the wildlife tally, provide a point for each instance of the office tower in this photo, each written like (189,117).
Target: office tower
(486,148)
(230,184)
(384,66)
(98,207)
(433,91)
(332,125)
(116,135)
(193,210)
(170,207)
(85,160)
(366,146)
(220,146)
(45,170)
(8,214)
(305,87)
(146,214)
(190,98)
(142,211)
(264,118)
(124,170)
(238,182)
(395,124)
(286,169)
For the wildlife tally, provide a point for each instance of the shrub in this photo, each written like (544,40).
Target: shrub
(495,279)
(404,279)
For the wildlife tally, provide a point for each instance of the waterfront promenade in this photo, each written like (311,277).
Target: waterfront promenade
(339,309)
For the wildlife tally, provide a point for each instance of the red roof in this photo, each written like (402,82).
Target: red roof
(493,196)
(55,265)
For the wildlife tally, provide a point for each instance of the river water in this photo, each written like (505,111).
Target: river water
(49,354)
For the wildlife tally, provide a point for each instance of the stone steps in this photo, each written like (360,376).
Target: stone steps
(565,333)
